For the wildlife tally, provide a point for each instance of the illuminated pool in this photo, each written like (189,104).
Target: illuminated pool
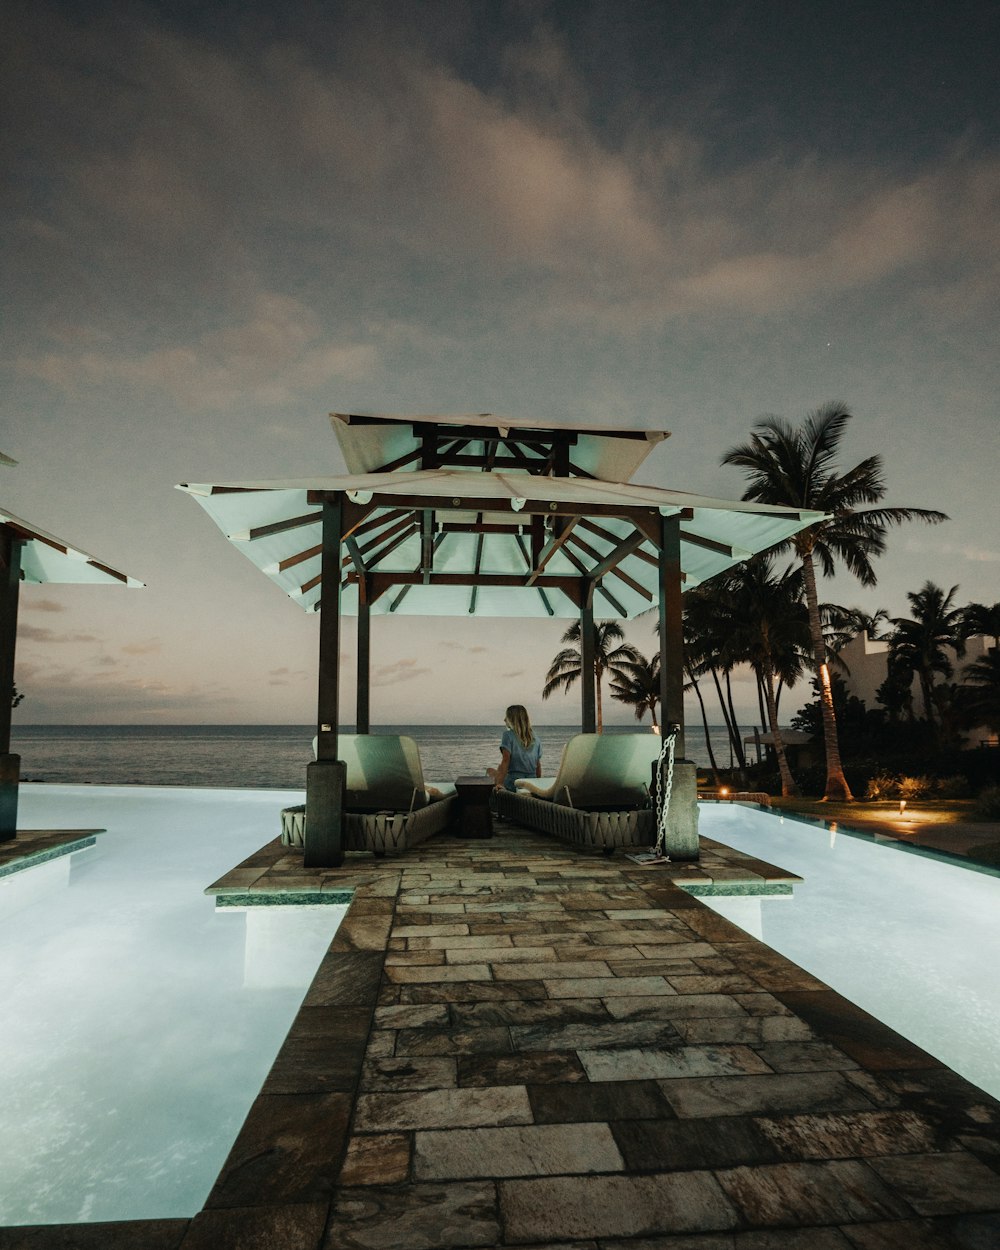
(914,940)
(138,1022)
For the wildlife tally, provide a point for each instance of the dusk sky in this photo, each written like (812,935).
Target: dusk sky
(223,221)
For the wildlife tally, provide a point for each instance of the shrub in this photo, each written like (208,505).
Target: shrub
(882,785)
(914,787)
(988,804)
(956,787)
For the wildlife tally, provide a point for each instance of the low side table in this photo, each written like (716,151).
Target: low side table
(474,818)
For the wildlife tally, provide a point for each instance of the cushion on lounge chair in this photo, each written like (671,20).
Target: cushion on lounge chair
(388,805)
(599,771)
(384,774)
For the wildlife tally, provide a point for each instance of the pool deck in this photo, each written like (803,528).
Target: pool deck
(510,1043)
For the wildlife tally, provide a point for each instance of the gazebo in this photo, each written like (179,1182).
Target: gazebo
(481,515)
(28,554)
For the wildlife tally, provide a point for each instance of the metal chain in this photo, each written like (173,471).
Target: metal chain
(663,791)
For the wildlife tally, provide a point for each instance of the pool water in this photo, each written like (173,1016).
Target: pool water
(138,1022)
(912,939)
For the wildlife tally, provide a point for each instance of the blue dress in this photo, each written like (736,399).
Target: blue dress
(523,760)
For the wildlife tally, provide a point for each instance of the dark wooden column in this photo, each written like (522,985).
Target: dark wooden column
(363,718)
(588,711)
(671,630)
(10,765)
(325,775)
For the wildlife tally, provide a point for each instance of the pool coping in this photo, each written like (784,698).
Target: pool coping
(32,847)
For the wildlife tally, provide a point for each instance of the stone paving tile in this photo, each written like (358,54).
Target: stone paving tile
(479,1041)
(390,1074)
(751,1030)
(483,1070)
(662,1063)
(424,976)
(613,1206)
(804,1057)
(598,1101)
(849,1135)
(531,1011)
(405,1016)
(681,1145)
(748,1095)
(604,1034)
(534,1150)
(443,1108)
(909,1235)
(607,987)
(940,1184)
(377,1159)
(835,1192)
(472,992)
(547,971)
(418,1217)
(695,1006)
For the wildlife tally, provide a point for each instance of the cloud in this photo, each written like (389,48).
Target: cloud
(218,160)
(142,648)
(269,358)
(41,605)
(38,633)
(965,551)
(397,672)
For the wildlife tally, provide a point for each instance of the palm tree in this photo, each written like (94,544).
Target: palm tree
(706,654)
(981,618)
(980,701)
(920,645)
(611,652)
(637,684)
(796,468)
(768,629)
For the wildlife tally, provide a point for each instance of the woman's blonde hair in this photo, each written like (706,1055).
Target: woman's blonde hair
(518,720)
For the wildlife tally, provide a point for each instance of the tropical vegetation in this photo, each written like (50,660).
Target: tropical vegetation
(798,468)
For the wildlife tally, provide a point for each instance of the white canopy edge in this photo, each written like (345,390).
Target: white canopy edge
(370,440)
(48,559)
(715,535)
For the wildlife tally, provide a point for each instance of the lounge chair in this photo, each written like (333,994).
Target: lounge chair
(387,804)
(599,798)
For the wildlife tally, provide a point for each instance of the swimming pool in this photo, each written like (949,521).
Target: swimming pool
(913,939)
(139,1022)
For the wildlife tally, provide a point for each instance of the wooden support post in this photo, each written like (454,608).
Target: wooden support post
(588,712)
(363,719)
(671,630)
(325,776)
(10,765)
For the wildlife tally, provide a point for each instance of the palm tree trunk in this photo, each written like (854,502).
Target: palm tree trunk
(725,715)
(741,758)
(598,673)
(836,783)
(788,784)
(708,736)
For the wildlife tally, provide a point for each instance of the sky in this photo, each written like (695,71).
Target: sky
(222,222)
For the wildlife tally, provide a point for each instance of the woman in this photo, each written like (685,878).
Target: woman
(520,750)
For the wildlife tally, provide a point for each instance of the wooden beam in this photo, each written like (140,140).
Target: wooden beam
(10,764)
(550,549)
(280,527)
(611,537)
(588,692)
(671,630)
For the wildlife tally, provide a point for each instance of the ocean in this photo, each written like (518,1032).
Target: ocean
(265,756)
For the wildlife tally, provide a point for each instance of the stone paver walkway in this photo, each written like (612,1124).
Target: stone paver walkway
(512,1044)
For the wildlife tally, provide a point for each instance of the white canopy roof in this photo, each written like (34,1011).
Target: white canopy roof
(449,543)
(45,558)
(374,442)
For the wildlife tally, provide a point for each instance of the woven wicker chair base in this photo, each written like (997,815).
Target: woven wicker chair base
(382,833)
(605,831)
